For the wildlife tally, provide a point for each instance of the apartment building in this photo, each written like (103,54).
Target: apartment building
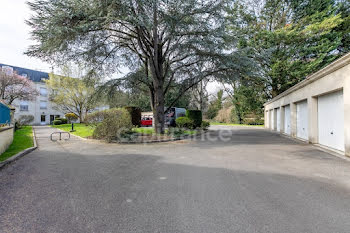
(41,108)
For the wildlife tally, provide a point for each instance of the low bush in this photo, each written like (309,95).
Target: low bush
(110,124)
(195,116)
(57,122)
(25,120)
(252,121)
(17,126)
(185,122)
(135,114)
(205,125)
(71,117)
(63,120)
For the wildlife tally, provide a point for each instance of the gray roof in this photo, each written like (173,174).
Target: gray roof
(33,75)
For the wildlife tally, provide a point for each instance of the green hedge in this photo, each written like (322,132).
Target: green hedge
(205,125)
(57,122)
(195,116)
(249,121)
(135,114)
(63,120)
(184,122)
(110,124)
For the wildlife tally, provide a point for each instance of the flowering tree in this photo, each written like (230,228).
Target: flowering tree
(14,86)
(75,95)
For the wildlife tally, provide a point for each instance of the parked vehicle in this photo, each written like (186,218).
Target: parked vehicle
(146,121)
(172,115)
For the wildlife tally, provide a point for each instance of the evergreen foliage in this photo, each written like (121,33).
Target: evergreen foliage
(171,42)
(195,116)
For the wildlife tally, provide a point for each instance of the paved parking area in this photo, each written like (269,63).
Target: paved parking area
(238,180)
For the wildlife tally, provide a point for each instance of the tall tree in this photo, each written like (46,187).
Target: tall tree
(174,41)
(13,86)
(73,92)
(287,39)
(247,97)
(200,96)
(215,105)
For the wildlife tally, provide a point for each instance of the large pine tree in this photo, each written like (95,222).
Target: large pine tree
(176,42)
(289,40)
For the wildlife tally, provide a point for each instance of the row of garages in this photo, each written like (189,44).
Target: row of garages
(317,109)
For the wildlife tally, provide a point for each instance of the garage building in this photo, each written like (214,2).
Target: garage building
(316,110)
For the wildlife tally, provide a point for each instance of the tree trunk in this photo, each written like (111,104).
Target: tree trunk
(158,109)
(80,116)
(151,93)
(156,63)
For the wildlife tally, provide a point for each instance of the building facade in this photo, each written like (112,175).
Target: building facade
(43,111)
(316,110)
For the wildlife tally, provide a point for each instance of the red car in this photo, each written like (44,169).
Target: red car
(146,121)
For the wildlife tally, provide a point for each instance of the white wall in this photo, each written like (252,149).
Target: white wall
(333,78)
(34,107)
(6,138)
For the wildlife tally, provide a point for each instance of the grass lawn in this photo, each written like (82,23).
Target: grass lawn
(22,140)
(81,130)
(85,131)
(230,124)
(149,130)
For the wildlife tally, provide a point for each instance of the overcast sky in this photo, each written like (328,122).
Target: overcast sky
(15,38)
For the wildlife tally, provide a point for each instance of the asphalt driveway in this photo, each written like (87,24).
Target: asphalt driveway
(239,180)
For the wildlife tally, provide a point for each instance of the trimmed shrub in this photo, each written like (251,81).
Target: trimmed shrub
(185,122)
(135,114)
(71,117)
(63,120)
(110,124)
(25,120)
(205,125)
(252,121)
(195,116)
(57,122)
(17,125)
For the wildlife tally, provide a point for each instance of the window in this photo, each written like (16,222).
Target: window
(43,91)
(43,105)
(43,118)
(23,106)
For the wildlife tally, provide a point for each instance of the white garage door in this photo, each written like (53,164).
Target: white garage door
(331,120)
(302,120)
(278,119)
(272,120)
(287,120)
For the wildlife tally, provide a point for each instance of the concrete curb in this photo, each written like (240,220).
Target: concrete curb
(165,140)
(131,142)
(20,154)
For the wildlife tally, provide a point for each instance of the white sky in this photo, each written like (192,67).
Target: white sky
(15,39)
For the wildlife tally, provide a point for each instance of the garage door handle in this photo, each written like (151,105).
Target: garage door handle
(332,133)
